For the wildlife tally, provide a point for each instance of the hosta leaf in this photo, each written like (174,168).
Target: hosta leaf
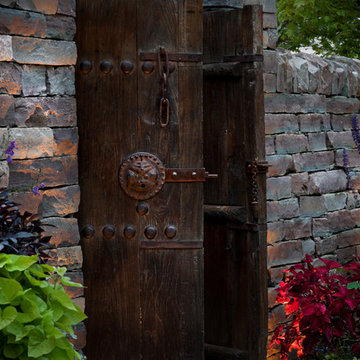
(20,263)
(30,311)
(7,316)
(9,290)
(66,281)
(13,351)
(39,344)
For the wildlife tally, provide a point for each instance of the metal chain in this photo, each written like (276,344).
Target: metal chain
(164,106)
(253,170)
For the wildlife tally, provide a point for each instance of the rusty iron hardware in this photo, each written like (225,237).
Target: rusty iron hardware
(142,175)
(88,231)
(244,58)
(106,67)
(148,67)
(150,232)
(254,168)
(108,231)
(129,232)
(164,106)
(142,208)
(188,175)
(85,66)
(176,57)
(170,231)
(126,67)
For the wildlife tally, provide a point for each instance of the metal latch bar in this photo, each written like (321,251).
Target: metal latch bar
(244,58)
(188,175)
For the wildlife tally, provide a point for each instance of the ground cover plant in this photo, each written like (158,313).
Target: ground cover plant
(322,305)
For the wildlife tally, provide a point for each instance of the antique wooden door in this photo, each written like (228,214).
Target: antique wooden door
(139,91)
(235,204)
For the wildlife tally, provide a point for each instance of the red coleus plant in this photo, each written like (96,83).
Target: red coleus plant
(321,307)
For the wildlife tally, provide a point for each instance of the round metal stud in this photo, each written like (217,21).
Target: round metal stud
(142,208)
(108,231)
(88,232)
(174,174)
(170,231)
(171,67)
(126,67)
(148,67)
(129,232)
(106,66)
(150,232)
(85,66)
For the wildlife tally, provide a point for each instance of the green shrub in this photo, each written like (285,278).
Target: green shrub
(36,314)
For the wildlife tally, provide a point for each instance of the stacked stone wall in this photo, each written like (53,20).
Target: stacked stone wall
(38,112)
(311,201)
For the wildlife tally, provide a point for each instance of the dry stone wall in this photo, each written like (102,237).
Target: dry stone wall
(311,201)
(38,112)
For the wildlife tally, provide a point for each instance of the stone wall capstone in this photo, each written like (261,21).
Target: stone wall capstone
(38,112)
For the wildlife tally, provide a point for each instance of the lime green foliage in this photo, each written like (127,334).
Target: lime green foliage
(331,27)
(36,314)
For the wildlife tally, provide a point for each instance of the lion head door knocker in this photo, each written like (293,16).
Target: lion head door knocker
(142,175)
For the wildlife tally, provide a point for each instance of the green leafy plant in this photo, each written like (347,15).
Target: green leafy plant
(36,314)
(331,27)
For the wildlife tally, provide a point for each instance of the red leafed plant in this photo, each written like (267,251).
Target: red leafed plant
(323,307)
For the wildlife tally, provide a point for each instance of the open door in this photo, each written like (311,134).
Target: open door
(139,92)
(235,205)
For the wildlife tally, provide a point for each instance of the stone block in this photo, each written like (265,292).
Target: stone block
(6,52)
(327,182)
(335,201)
(312,206)
(7,105)
(285,74)
(280,123)
(60,201)
(270,38)
(43,6)
(313,161)
(283,253)
(60,27)
(334,222)
(352,155)
(271,61)
(10,78)
(43,51)
(301,74)
(346,255)
(275,232)
(326,245)
(341,122)
(299,184)
(288,208)
(339,78)
(272,295)
(278,188)
(290,143)
(63,231)
(269,21)
(61,80)
(9,3)
(297,228)
(308,247)
(276,274)
(353,199)
(24,23)
(354,182)
(38,111)
(269,145)
(317,141)
(269,6)
(32,143)
(4,175)
(325,79)
(295,103)
(27,201)
(314,122)
(340,140)
(348,238)
(71,257)
(275,317)
(67,7)
(342,105)
(272,210)
(279,165)
(80,332)
(66,140)
(269,83)
(55,171)
(33,80)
